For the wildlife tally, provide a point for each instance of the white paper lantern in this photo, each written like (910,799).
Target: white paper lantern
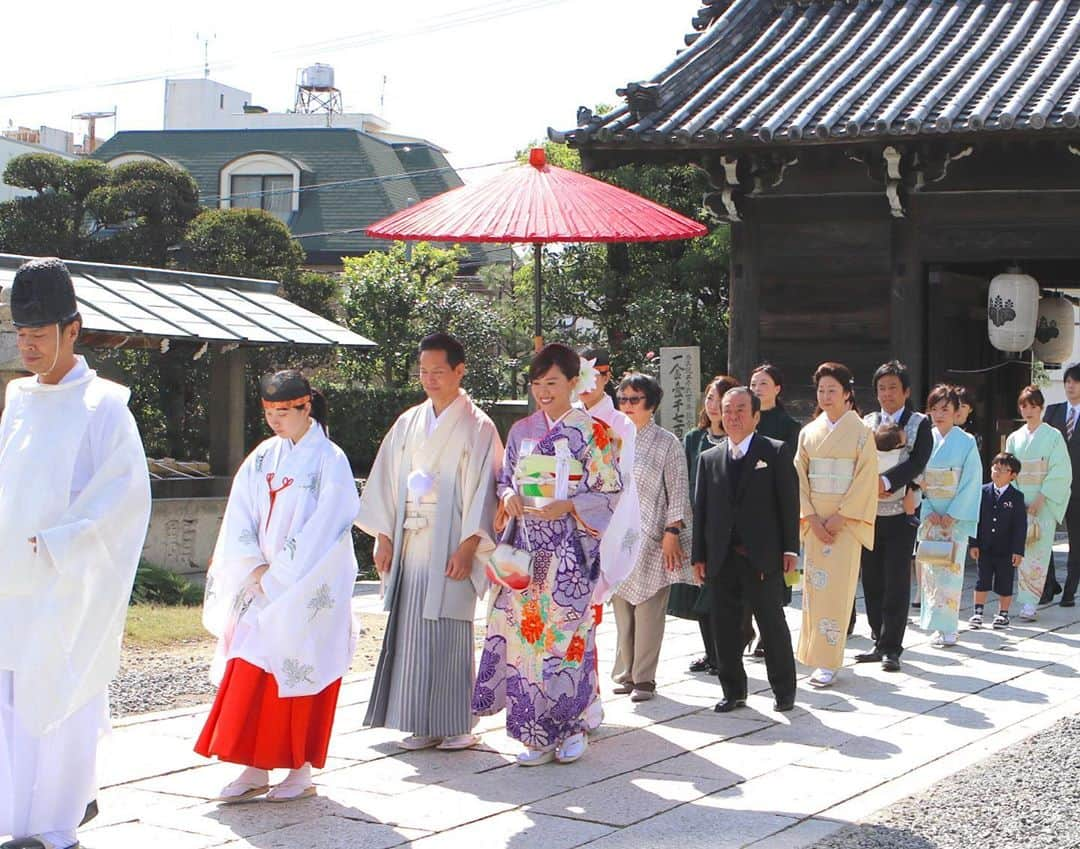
(1055,330)
(1011,311)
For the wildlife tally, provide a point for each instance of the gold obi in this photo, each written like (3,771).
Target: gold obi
(831,475)
(941,484)
(1033,472)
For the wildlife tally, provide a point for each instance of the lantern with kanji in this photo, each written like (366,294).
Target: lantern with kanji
(1055,330)
(1012,311)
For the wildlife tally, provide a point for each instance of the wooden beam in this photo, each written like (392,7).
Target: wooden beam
(228,391)
(907,305)
(744,300)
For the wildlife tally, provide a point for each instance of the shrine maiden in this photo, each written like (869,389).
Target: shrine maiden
(278,598)
(430,504)
(952,492)
(838,488)
(74,507)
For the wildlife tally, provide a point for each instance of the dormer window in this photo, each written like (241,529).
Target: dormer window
(262,181)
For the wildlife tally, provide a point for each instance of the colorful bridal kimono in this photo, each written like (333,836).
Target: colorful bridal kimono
(838,473)
(1045,469)
(539,659)
(282,647)
(953,487)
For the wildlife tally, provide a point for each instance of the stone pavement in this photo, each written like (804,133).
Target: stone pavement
(665,772)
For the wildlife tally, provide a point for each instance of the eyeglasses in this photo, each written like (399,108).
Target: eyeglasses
(630,399)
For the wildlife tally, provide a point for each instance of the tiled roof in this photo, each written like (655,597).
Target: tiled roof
(353,159)
(761,71)
(127,301)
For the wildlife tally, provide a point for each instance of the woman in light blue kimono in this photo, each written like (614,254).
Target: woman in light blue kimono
(950,513)
(1046,481)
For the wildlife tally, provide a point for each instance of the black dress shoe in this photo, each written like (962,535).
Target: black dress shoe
(1068,602)
(700,665)
(868,657)
(30,843)
(891,663)
(783,705)
(728,705)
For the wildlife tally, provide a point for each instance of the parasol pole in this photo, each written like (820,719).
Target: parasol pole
(538,297)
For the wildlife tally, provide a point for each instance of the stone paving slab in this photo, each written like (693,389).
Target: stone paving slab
(665,772)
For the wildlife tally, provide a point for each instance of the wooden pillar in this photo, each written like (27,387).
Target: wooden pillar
(228,391)
(744,301)
(907,305)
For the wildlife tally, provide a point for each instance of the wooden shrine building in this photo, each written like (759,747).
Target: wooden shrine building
(879,161)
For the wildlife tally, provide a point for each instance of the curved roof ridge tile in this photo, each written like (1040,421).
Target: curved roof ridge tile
(827,68)
(890,59)
(1045,105)
(693,106)
(842,75)
(770,102)
(1041,73)
(967,52)
(732,111)
(984,104)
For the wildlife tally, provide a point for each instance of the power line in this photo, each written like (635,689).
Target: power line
(464,17)
(403,175)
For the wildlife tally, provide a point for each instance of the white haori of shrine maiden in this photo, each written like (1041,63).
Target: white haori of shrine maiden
(291,506)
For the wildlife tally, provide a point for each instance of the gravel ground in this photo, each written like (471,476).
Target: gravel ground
(164,678)
(1024,797)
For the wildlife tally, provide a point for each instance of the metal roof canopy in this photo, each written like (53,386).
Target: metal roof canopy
(129,305)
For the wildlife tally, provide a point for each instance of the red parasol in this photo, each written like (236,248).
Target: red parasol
(538,203)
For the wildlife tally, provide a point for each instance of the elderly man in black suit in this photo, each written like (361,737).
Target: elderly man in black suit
(1066,418)
(746,536)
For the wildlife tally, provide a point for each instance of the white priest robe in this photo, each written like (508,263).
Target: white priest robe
(424,679)
(72,474)
(291,506)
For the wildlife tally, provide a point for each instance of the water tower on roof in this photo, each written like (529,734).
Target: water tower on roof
(315,92)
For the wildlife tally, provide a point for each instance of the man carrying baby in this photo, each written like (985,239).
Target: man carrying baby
(886,569)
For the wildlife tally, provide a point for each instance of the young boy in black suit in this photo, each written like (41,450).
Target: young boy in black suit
(1002,533)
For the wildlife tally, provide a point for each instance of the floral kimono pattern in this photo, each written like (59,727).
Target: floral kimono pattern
(1045,469)
(539,659)
(953,487)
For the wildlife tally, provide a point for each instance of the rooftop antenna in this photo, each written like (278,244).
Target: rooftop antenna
(382,95)
(91,119)
(206,39)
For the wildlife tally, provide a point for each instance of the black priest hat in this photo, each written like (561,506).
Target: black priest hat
(42,294)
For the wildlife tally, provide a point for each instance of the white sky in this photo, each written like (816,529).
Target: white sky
(481,90)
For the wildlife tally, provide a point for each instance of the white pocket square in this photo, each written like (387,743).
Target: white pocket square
(761,464)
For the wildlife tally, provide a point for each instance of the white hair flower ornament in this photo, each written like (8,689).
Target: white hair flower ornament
(587,378)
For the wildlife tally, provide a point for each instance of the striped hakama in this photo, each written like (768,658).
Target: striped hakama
(430,663)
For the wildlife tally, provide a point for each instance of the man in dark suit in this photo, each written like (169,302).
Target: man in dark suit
(886,568)
(746,536)
(1066,418)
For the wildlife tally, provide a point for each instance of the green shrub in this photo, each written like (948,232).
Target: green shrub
(360,418)
(155,585)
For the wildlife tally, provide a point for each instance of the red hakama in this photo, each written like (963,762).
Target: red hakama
(250,724)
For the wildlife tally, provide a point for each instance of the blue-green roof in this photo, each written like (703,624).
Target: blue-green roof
(411,169)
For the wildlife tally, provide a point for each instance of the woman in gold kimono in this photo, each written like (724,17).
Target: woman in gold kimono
(838,488)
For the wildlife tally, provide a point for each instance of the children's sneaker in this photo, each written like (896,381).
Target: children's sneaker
(1001,620)
(1027,613)
(976,620)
